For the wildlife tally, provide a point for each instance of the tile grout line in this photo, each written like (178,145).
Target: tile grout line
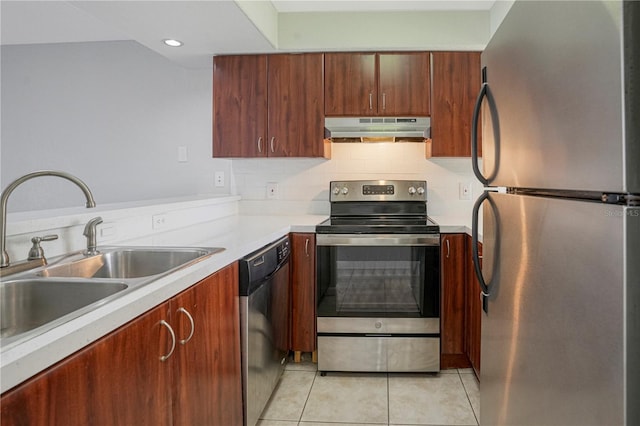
(307,398)
(388,400)
(468,398)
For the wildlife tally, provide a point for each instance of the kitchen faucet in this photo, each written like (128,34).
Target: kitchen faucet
(13,185)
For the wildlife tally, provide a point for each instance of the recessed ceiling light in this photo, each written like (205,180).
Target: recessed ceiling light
(171,42)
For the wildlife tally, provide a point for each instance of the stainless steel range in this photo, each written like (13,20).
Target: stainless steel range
(378,279)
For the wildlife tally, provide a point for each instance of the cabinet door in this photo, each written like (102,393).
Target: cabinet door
(474,311)
(207,377)
(240,106)
(403,87)
(303,292)
(452,314)
(456,82)
(119,380)
(350,84)
(296,117)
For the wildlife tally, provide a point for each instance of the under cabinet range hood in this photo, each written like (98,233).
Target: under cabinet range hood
(377,129)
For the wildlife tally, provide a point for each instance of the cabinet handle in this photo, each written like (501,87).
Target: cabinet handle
(193,326)
(370,100)
(260,144)
(384,101)
(272,140)
(448,248)
(306,247)
(163,358)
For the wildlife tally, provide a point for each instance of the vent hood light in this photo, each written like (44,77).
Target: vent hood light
(172,42)
(377,129)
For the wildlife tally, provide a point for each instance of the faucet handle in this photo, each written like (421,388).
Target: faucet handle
(36,251)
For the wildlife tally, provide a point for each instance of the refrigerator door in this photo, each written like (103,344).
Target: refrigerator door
(554,350)
(555,111)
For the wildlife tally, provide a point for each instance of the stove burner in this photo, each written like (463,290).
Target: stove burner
(377,225)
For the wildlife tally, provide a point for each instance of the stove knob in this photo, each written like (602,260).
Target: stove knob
(412,190)
(420,190)
(336,190)
(345,190)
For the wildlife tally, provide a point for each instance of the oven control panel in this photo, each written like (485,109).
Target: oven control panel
(378,190)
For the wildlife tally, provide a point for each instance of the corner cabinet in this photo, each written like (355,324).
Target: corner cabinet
(377,84)
(452,313)
(455,85)
(122,380)
(303,294)
(268,106)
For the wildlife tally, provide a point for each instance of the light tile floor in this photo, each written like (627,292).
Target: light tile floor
(305,398)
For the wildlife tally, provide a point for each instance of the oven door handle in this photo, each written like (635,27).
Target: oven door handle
(378,240)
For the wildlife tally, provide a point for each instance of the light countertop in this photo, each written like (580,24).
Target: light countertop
(239,235)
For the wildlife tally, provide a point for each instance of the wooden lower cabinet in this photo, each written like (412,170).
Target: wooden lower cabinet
(303,293)
(452,312)
(206,373)
(120,379)
(474,311)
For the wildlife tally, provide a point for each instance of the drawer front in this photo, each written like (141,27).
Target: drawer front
(392,354)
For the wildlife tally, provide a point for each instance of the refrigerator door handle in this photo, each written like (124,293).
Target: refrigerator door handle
(474,248)
(474,132)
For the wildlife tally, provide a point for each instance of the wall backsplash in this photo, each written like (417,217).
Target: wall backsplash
(303,184)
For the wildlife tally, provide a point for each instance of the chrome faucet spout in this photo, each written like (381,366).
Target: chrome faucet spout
(13,185)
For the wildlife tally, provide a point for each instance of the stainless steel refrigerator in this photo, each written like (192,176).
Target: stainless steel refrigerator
(560,110)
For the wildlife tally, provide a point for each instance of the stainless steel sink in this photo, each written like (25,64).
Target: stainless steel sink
(126,263)
(35,301)
(30,303)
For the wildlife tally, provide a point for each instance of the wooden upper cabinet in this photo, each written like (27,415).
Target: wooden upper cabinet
(268,106)
(295,105)
(403,84)
(239,106)
(350,84)
(377,84)
(455,84)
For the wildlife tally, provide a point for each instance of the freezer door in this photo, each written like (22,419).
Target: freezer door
(554,113)
(553,338)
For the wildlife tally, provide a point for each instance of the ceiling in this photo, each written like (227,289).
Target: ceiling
(207,27)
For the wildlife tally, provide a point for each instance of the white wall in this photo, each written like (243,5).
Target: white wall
(435,30)
(113,114)
(303,184)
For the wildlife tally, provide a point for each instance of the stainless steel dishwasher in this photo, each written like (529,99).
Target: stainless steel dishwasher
(264,324)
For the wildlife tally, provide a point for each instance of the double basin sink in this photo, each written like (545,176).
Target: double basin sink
(36,301)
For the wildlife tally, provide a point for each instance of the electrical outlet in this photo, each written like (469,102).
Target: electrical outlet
(272,190)
(182,154)
(464,191)
(219,179)
(158,221)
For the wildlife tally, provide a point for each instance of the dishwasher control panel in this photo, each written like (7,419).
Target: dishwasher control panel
(283,251)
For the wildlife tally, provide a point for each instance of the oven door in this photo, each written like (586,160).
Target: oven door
(378,275)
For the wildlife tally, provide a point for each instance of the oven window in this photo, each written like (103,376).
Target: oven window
(375,280)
